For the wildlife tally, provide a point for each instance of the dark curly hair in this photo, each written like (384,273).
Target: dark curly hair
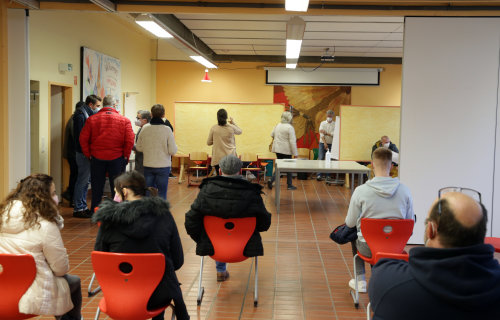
(34,192)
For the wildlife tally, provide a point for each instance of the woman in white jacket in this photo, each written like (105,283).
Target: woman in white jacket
(284,145)
(30,224)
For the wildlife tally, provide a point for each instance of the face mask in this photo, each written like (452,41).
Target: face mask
(55,198)
(117,198)
(329,119)
(98,109)
(386,145)
(138,122)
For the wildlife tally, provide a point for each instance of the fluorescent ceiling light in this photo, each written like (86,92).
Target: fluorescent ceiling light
(150,24)
(107,5)
(293,48)
(204,62)
(296,5)
(295,28)
(291,65)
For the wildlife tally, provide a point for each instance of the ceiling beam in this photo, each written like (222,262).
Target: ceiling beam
(30,4)
(307,59)
(107,5)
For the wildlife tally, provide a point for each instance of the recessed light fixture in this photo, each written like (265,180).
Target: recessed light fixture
(296,5)
(204,62)
(152,25)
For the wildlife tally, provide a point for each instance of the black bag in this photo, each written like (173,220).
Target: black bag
(343,234)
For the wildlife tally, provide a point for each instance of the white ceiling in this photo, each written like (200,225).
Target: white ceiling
(250,34)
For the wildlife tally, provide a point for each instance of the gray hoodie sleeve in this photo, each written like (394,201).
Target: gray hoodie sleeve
(354,210)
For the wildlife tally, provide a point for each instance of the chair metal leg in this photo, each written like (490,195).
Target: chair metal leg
(256,290)
(355,295)
(201,290)
(368,311)
(173,311)
(90,291)
(97,313)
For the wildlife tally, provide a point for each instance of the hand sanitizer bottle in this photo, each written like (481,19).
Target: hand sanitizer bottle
(328,159)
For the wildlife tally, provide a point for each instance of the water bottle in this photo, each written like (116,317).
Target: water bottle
(328,158)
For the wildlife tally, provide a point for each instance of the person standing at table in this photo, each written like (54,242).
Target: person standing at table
(221,138)
(326,129)
(284,145)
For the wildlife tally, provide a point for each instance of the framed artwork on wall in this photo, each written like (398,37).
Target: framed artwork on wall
(100,74)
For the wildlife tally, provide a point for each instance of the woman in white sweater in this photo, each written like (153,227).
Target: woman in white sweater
(30,224)
(284,145)
(157,143)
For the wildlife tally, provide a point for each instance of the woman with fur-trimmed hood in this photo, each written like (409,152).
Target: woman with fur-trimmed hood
(142,224)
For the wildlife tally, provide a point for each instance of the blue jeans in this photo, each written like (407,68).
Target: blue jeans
(220,266)
(322,152)
(157,178)
(82,182)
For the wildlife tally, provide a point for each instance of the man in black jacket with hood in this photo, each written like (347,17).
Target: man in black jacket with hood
(455,276)
(227,196)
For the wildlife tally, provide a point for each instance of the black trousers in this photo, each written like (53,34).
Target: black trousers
(98,170)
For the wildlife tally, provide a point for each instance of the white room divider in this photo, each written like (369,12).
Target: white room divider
(449,111)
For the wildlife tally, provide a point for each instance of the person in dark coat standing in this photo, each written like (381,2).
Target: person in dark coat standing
(227,196)
(69,153)
(142,224)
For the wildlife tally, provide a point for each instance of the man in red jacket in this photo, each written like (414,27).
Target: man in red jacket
(107,140)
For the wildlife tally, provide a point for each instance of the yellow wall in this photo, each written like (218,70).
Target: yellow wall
(388,93)
(243,82)
(56,37)
(233,82)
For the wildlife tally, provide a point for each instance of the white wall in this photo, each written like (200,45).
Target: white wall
(19,135)
(449,111)
(56,37)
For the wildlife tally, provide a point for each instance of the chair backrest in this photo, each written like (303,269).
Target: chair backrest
(198,156)
(386,235)
(127,281)
(229,236)
(17,273)
(248,157)
(303,153)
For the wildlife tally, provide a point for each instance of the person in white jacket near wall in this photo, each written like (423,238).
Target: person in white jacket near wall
(284,145)
(30,224)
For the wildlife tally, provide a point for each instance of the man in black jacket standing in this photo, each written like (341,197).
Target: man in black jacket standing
(227,196)
(455,276)
(91,106)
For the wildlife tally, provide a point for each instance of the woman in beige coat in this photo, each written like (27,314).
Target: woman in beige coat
(284,145)
(30,224)
(221,137)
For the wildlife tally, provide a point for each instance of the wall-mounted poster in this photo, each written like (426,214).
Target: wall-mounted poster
(100,75)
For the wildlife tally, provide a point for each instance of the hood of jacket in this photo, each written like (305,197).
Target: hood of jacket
(136,219)
(13,220)
(384,186)
(228,196)
(467,277)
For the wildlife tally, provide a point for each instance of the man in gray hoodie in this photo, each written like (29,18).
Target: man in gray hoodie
(382,197)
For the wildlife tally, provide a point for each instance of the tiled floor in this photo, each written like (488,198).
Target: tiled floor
(302,275)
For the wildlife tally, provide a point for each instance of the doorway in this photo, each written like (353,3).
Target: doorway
(60,101)
(34,126)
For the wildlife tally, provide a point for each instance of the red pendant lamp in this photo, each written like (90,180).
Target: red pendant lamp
(206,78)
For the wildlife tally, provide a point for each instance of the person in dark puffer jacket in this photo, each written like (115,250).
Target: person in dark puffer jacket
(143,225)
(227,196)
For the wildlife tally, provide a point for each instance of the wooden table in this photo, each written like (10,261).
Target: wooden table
(299,165)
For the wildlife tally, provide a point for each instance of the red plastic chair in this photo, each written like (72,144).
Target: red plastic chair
(229,238)
(384,237)
(495,242)
(17,273)
(127,281)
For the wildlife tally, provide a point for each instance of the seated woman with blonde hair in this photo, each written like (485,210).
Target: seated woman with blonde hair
(30,224)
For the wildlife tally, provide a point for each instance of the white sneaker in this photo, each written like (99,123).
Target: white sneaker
(361,285)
